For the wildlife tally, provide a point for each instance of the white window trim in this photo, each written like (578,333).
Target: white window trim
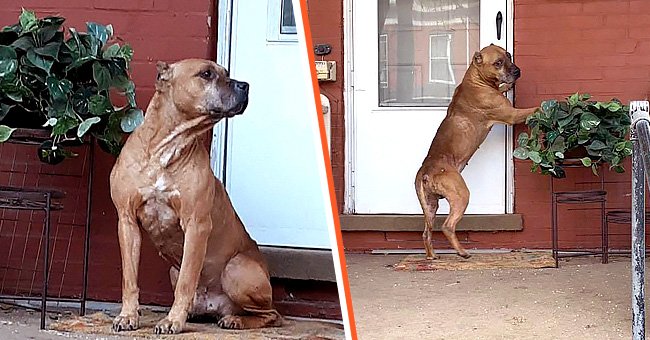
(273,22)
(446,58)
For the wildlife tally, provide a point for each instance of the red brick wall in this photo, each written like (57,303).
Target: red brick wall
(598,47)
(327,28)
(562,46)
(157,30)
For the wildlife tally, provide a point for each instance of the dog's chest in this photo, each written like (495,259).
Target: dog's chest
(159,219)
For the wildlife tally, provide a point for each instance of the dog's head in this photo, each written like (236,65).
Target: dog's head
(202,87)
(496,66)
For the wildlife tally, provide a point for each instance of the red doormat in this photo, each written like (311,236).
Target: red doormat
(484,261)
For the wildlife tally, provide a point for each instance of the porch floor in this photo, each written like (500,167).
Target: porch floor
(583,299)
(21,323)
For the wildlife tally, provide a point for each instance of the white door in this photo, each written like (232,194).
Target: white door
(408,57)
(274,166)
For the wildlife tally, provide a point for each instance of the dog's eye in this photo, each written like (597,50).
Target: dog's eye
(498,63)
(207,75)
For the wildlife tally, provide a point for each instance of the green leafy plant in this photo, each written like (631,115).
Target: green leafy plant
(598,130)
(65,83)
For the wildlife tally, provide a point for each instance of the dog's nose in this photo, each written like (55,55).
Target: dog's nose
(241,86)
(516,72)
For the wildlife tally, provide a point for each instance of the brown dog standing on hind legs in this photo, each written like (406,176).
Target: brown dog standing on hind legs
(477,104)
(162,183)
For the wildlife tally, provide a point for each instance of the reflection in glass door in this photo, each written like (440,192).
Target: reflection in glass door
(425,46)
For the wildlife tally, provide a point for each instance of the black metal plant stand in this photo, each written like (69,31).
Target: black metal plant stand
(47,200)
(578,197)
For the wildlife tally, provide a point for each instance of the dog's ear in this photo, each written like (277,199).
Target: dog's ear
(478,58)
(164,74)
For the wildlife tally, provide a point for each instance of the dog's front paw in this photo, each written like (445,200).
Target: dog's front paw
(231,322)
(125,323)
(167,326)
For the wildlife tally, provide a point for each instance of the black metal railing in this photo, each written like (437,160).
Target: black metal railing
(640,136)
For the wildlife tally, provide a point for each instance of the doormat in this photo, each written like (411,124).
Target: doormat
(100,324)
(511,260)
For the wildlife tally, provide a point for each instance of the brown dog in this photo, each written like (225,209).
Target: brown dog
(162,183)
(477,104)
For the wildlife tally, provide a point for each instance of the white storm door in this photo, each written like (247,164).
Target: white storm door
(274,167)
(408,57)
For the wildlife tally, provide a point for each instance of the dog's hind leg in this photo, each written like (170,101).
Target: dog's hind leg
(207,302)
(457,195)
(429,203)
(247,284)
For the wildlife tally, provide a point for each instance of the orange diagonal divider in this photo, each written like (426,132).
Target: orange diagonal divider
(343,280)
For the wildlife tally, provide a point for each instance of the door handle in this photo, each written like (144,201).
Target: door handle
(499,24)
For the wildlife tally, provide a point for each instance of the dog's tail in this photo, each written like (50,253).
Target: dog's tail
(278,320)
(254,310)
(419,189)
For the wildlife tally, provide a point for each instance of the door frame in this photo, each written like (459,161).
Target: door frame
(221,134)
(350,116)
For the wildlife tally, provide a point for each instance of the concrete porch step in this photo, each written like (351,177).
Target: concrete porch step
(394,222)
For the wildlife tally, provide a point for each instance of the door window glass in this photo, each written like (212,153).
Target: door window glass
(288,22)
(425,47)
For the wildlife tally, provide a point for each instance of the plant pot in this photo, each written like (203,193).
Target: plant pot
(31,136)
(24,119)
(576,153)
(47,152)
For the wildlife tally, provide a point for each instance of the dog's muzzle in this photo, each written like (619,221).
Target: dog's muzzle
(516,71)
(509,79)
(238,97)
(240,89)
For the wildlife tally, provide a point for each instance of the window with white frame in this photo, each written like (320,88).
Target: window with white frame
(383,61)
(281,22)
(440,68)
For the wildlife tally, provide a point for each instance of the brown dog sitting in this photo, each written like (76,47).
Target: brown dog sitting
(477,104)
(162,184)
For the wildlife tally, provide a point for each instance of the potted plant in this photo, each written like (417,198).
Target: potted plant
(594,132)
(65,84)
